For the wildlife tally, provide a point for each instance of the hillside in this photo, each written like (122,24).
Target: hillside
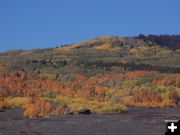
(105,75)
(109,53)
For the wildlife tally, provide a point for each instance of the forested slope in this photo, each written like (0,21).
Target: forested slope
(105,75)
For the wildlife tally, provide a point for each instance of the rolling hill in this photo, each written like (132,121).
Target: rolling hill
(106,53)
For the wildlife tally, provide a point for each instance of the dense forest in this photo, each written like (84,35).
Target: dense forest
(105,75)
(170,41)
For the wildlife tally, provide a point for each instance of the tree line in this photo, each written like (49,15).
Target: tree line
(170,41)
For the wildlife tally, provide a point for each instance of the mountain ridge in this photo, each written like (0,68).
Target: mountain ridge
(110,42)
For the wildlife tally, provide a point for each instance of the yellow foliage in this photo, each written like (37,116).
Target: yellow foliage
(65,48)
(16,102)
(114,108)
(76,104)
(144,51)
(165,52)
(168,103)
(2,66)
(103,47)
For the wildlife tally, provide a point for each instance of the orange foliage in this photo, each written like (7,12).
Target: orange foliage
(137,74)
(145,99)
(2,103)
(170,81)
(63,109)
(153,99)
(4,91)
(89,94)
(100,92)
(36,107)
(21,84)
(80,78)
(130,75)
(32,92)
(173,96)
(103,79)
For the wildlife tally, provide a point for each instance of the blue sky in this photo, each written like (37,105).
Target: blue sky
(27,24)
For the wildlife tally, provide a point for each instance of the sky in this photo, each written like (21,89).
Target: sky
(28,24)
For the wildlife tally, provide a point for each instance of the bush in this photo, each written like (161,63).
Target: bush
(16,102)
(170,99)
(117,108)
(49,95)
(36,107)
(170,81)
(143,80)
(3,104)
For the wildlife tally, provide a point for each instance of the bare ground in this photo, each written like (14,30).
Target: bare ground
(138,121)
